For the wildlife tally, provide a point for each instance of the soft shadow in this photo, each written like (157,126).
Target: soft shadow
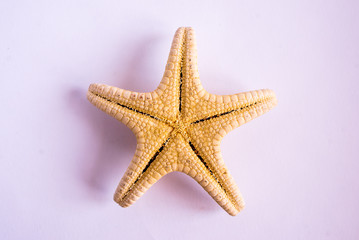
(187,192)
(115,144)
(111,149)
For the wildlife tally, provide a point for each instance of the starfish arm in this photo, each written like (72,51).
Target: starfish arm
(191,162)
(143,172)
(216,173)
(190,77)
(163,162)
(252,104)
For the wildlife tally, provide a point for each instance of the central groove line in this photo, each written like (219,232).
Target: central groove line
(215,116)
(180,87)
(129,108)
(155,156)
(206,166)
(183,48)
(225,113)
(147,166)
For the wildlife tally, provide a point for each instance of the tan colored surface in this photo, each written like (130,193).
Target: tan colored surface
(179,127)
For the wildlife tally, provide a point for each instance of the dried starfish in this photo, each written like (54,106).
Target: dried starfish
(179,127)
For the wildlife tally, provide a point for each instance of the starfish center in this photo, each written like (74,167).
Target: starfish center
(179,126)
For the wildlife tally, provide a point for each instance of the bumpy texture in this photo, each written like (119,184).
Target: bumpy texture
(179,127)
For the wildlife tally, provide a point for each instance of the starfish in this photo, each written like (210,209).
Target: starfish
(179,127)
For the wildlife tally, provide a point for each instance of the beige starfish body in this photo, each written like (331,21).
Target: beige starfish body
(179,127)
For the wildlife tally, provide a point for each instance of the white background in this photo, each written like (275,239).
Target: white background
(61,158)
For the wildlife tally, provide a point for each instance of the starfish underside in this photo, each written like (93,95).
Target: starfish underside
(179,127)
